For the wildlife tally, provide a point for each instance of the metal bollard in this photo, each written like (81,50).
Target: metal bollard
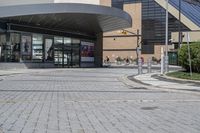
(149,65)
(139,66)
(166,64)
(162,61)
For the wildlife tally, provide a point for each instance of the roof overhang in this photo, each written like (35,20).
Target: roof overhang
(80,18)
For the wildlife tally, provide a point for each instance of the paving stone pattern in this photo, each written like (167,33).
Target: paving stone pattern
(92,101)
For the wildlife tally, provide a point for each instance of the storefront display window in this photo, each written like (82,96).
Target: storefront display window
(76,52)
(37,47)
(15,47)
(48,50)
(58,50)
(26,47)
(76,41)
(87,52)
(2,47)
(67,41)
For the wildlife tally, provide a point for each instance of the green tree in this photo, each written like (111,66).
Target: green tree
(195,56)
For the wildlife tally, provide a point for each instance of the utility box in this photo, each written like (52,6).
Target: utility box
(173,58)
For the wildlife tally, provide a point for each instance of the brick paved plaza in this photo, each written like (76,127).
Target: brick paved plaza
(92,101)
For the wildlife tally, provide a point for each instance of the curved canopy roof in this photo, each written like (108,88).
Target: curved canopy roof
(80,18)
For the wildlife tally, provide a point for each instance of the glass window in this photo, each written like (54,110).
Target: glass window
(67,40)
(26,47)
(15,47)
(58,50)
(2,47)
(49,50)
(37,47)
(58,40)
(76,41)
(76,52)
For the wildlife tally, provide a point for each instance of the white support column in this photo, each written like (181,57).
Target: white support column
(162,60)
(139,62)
(166,38)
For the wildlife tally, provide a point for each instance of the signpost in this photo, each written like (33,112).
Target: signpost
(166,38)
(189,54)
(162,61)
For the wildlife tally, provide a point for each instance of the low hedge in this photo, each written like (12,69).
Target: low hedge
(195,56)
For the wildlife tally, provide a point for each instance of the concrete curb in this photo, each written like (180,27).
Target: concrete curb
(9,74)
(178,79)
(154,87)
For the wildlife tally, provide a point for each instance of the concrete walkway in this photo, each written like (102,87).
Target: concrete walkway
(11,72)
(92,100)
(158,81)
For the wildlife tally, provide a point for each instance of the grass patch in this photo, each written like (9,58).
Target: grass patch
(184,75)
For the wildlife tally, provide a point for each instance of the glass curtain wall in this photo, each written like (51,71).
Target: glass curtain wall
(153,23)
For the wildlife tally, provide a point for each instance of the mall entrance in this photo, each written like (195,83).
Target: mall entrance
(46,51)
(66,52)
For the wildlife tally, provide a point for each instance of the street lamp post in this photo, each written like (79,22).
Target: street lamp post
(166,38)
(179,26)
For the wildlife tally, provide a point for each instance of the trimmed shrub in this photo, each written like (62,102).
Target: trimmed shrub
(154,59)
(195,56)
(119,59)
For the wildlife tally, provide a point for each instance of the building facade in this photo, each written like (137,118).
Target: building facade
(149,19)
(83,33)
(56,33)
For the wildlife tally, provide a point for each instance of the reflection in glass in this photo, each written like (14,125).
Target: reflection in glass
(48,50)
(26,47)
(58,54)
(37,47)
(75,52)
(15,47)
(67,41)
(2,47)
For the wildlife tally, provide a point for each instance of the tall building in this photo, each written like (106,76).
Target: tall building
(149,19)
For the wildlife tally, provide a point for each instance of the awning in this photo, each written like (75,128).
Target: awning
(79,18)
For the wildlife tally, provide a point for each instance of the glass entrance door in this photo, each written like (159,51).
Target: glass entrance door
(75,55)
(67,58)
(66,53)
(58,51)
